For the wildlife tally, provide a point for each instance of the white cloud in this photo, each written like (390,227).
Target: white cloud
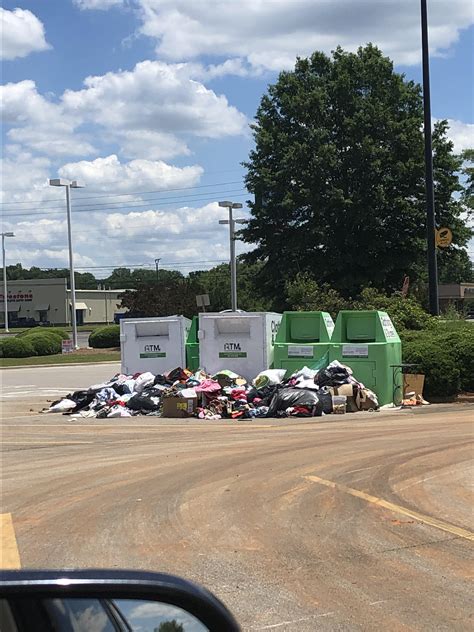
(38,123)
(157,97)
(22,33)
(147,112)
(150,145)
(271,34)
(97,5)
(24,178)
(462,135)
(186,238)
(110,175)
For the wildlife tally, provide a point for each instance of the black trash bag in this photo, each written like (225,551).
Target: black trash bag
(161,380)
(121,389)
(332,376)
(82,399)
(151,391)
(265,394)
(286,397)
(325,398)
(142,402)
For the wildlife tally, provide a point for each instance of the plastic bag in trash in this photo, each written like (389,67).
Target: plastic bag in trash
(333,375)
(269,377)
(286,397)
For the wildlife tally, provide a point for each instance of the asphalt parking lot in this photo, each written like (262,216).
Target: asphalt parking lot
(359,523)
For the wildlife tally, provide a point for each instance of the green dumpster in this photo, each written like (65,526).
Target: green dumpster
(367,342)
(192,346)
(302,339)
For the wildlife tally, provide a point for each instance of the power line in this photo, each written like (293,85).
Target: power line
(93,197)
(142,265)
(124,210)
(92,207)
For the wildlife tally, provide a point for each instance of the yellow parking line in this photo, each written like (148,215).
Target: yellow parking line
(9,555)
(433,522)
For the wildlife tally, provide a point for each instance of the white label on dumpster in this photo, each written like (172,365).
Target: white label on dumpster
(329,324)
(152,351)
(232,350)
(300,352)
(355,351)
(388,327)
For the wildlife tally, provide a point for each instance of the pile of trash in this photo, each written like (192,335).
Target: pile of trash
(226,395)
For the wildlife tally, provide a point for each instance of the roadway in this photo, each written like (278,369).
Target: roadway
(361,522)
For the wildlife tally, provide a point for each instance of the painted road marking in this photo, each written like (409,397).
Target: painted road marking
(9,555)
(40,391)
(433,522)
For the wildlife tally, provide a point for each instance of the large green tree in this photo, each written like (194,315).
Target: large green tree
(338,176)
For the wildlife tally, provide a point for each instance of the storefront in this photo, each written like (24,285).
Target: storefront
(49,301)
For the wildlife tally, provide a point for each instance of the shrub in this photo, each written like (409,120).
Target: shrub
(439,349)
(441,370)
(105,337)
(16,348)
(57,331)
(45,343)
(406,313)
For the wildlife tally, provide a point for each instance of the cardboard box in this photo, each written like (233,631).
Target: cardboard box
(179,407)
(348,391)
(413,382)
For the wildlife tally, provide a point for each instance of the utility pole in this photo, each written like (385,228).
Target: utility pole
(5,287)
(233,263)
(157,263)
(430,202)
(60,182)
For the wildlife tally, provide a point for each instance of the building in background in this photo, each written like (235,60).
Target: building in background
(49,301)
(460,295)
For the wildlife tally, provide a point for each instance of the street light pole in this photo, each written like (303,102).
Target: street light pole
(430,202)
(5,288)
(157,263)
(233,262)
(59,182)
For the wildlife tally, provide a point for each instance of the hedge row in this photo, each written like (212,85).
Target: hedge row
(35,342)
(445,354)
(58,331)
(43,341)
(105,337)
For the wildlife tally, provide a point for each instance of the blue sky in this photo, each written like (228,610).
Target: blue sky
(176,83)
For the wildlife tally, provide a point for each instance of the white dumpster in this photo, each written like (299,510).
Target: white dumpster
(153,344)
(239,341)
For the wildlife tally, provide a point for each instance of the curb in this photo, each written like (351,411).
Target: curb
(46,366)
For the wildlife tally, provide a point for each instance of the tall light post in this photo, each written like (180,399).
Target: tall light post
(157,263)
(5,289)
(233,264)
(60,182)
(430,202)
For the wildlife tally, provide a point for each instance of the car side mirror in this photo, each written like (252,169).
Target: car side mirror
(108,601)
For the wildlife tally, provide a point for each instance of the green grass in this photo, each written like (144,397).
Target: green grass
(103,355)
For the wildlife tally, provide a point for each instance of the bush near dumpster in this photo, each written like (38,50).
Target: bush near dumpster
(442,351)
(442,374)
(105,337)
(304,293)
(45,343)
(16,348)
(57,331)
